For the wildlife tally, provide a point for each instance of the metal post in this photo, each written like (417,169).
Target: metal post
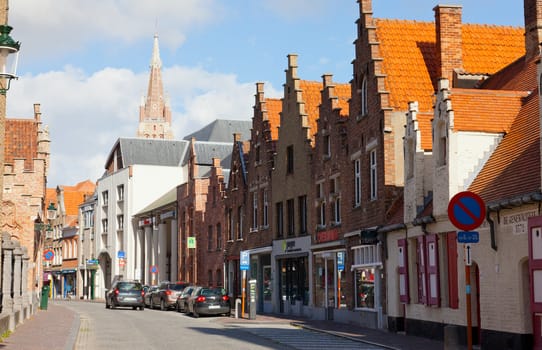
(243,294)
(469,316)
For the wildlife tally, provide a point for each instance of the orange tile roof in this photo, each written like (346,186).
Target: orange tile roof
(516,157)
(490,111)
(343,93)
(312,97)
(21,141)
(408,49)
(426,130)
(274,107)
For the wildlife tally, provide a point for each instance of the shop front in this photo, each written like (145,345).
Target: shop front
(69,283)
(260,270)
(292,261)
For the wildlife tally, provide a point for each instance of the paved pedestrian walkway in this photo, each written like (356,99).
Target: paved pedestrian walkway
(57,328)
(52,329)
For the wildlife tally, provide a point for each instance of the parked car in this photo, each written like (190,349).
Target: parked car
(166,295)
(182,299)
(209,301)
(148,295)
(125,293)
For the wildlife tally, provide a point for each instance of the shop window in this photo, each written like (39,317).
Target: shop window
(365,288)
(267,283)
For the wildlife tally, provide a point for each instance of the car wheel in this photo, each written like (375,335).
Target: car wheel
(162,305)
(141,308)
(184,308)
(112,305)
(195,313)
(134,307)
(177,307)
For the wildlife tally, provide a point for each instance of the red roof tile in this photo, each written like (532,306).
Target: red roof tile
(408,49)
(21,141)
(274,107)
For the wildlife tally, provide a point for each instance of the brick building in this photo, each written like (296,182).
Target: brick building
(484,108)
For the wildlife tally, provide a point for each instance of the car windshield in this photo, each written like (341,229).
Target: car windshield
(212,291)
(127,286)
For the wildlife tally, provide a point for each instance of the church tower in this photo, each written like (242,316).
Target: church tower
(155,111)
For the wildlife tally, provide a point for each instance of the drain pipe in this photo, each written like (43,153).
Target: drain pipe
(491,230)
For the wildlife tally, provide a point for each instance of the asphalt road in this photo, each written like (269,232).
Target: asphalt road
(124,328)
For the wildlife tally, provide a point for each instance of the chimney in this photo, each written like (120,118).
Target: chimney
(532,12)
(449,52)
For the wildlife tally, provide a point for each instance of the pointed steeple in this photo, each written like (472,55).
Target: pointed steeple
(154,112)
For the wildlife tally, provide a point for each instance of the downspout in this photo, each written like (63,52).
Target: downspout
(491,230)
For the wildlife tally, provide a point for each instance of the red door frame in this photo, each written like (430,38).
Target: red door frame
(535,264)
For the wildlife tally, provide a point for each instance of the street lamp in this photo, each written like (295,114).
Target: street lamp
(51,211)
(8,62)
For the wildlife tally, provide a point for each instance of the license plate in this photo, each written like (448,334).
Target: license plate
(214,306)
(130,299)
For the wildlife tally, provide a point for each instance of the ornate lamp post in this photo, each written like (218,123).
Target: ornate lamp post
(8,61)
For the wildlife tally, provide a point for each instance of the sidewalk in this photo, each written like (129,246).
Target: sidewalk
(53,329)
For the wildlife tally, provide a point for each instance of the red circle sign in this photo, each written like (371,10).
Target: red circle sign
(48,254)
(466,210)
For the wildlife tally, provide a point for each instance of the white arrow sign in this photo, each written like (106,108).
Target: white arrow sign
(468,255)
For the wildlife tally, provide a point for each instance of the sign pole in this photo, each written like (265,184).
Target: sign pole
(243,293)
(469,307)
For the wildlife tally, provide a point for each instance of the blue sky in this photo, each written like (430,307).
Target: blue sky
(87,62)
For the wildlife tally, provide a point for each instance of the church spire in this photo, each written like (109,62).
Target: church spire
(154,112)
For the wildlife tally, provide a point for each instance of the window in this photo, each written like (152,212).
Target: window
(321,206)
(265,209)
(402,263)
(322,214)
(337,210)
(363,97)
(302,205)
(210,240)
(442,140)
(230,224)
(357,183)
(291,215)
(240,222)
(290,160)
(88,219)
(327,146)
(120,192)
(257,154)
(120,222)
(104,225)
(210,277)
(218,236)
(105,198)
(279,219)
(373,175)
(255,210)
(219,278)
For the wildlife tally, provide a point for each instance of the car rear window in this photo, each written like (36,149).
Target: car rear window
(212,291)
(126,286)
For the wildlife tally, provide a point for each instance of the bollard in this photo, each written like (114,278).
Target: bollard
(451,337)
(237,307)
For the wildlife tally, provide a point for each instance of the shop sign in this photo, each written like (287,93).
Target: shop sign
(145,222)
(289,247)
(245,260)
(327,236)
(169,214)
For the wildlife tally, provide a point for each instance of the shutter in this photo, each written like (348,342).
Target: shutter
(402,263)
(433,275)
(420,254)
(453,291)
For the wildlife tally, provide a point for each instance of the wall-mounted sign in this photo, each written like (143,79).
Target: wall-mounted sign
(191,242)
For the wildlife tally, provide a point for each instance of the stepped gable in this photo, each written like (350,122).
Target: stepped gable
(408,50)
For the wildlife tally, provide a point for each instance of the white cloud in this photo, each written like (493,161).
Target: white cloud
(87,113)
(49,27)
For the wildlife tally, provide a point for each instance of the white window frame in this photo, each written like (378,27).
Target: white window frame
(357,182)
(373,174)
(255,211)
(265,210)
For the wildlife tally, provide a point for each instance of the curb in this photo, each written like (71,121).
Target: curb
(340,335)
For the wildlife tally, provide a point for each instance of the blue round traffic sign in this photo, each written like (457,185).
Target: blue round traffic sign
(466,210)
(154,269)
(48,254)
